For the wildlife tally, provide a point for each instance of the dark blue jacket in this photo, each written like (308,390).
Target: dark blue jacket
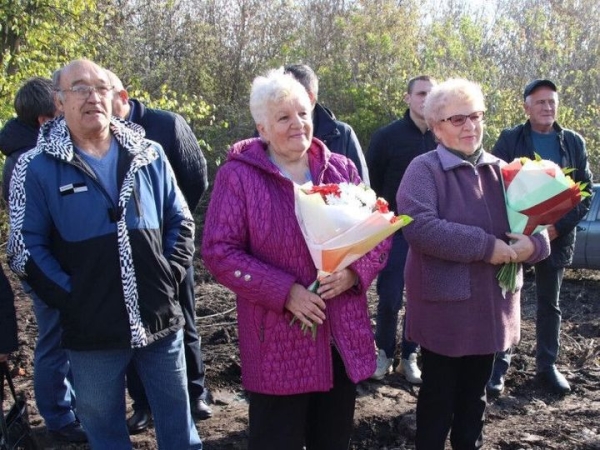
(177,139)
(516,142)
(339,137)
(112,270)
(391,150)
(16,137)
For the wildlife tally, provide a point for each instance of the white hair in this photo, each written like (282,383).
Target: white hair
(273,88)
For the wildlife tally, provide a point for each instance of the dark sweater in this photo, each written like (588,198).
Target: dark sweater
(16,137)
(392,149)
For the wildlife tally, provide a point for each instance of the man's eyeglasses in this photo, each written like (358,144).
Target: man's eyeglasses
(84,91)
(459,120)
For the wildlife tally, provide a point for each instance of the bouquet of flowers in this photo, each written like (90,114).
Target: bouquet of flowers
(340,223)
(537,193)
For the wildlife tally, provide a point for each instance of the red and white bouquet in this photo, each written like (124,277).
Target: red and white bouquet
(342,222)
(538,193)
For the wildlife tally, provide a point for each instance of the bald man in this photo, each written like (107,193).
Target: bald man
(102,233)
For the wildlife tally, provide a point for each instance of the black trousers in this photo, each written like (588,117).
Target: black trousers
(319,420)
(452,399)
(191,343)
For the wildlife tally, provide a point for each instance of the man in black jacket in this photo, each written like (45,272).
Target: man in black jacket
(391,150)
(173,133)
(339,137)
(542,135)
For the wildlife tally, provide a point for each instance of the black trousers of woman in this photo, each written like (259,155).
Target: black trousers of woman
(452,399)
(319,420)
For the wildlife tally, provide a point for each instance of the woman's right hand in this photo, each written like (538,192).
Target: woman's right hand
(503,253)
(307,306)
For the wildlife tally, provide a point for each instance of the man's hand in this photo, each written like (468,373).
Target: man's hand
(552,233)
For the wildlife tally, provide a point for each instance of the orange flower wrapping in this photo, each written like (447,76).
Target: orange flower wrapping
(342,222)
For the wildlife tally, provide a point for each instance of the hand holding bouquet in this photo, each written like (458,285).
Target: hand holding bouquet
(340,223)
(538,193)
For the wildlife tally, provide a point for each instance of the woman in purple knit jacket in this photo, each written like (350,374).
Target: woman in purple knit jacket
(459,238)
(302,390)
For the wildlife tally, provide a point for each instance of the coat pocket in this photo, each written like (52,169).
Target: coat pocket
(445,281)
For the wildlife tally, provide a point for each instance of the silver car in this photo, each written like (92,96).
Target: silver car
(587,244)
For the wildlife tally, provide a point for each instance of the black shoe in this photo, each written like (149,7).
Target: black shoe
(139,421)
(495,384)
(554,380)
(200,410)
(72,433)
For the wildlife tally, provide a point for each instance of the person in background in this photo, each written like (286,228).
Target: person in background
(52,383)
(455,308)
(392,148)
(542,135)
(183,152)
(34,105)
(302,390)
(101,232)
(8,319)
(339,137)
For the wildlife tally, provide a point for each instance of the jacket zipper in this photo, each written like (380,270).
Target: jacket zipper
(80,165)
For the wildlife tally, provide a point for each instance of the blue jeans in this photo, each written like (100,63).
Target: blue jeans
(390,288)
(100,379)
(193,353)
(52,382)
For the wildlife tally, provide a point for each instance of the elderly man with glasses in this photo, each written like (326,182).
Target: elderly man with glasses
(101,232)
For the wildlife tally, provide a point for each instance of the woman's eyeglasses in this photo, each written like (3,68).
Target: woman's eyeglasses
(460,119)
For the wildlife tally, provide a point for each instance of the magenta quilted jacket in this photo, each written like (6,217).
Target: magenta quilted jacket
(253,245)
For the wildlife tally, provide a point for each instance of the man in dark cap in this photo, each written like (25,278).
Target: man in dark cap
(542,135)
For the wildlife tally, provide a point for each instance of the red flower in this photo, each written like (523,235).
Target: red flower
(326,189)
(382,206)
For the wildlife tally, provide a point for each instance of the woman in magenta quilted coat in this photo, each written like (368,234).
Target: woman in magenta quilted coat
(302,390)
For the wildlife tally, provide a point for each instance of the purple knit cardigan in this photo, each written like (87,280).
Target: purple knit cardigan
(454,304)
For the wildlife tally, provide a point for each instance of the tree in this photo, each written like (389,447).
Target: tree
(39,36)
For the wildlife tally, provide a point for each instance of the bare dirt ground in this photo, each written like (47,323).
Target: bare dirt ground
(524,417)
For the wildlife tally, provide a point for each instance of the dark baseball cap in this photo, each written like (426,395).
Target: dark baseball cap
(536,84)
